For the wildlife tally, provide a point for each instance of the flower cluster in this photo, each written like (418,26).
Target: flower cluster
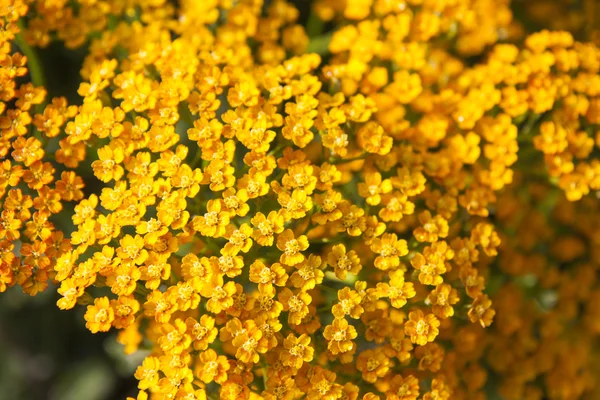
(277,213)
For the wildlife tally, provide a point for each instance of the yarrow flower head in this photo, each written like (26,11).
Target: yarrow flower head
(400,207)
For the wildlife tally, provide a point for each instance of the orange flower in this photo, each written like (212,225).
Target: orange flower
(373,364)
(481,312)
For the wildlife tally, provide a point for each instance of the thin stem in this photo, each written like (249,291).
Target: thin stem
(36,72)
(320,44)
(264,375)
(314,25)
(328,289)
(197,159)
(347,160)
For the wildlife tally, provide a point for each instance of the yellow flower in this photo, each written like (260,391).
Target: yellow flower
(390,249)
(432,228)
(372,139)
(442,298)
(174,339)
(212,367)
(298,350)
(266,227)
(421,328)
(348,304)
(308,273)
(264,301)
(296,304)
(99,316)
(339,336)
(291,247)
(202,332)
(481,312)
(147,373)
(132,249)
(214,222)
(239,240)
(343,262)
(403,388)
(247,343)
(266,276)
(125,309)
(353,221)
(108,167)
(397,290)
(373,365)
(374,187)
(218,293)
(123,280)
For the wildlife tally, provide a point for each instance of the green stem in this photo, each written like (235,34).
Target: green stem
(347,160)
(320,44)
(197,159)
(36,72)
(314,25)
(328,289)
(264,376)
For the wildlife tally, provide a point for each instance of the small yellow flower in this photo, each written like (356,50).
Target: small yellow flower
(214,222)
(339,336)
(99,316)
(212,367)
(481,311)
(298,351)
(421,328)
(390,249)
(373,365)
(291,247)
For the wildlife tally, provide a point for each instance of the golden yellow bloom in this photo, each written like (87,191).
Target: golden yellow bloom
(266,227)
(291,247)
(443,297)
(403,388)
(339,336)
(373,365)
(397,290)
(390,249)
(99,316)
(349,304)
(481,312)
(298,351)
(214,222)
(147,373)
(296,304)
(421,328)
(212,367)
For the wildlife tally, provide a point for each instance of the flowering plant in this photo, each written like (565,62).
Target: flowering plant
(335,209)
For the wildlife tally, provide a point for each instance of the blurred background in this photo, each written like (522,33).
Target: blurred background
(48,354)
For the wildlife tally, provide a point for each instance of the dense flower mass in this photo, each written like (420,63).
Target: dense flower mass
(396,200)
